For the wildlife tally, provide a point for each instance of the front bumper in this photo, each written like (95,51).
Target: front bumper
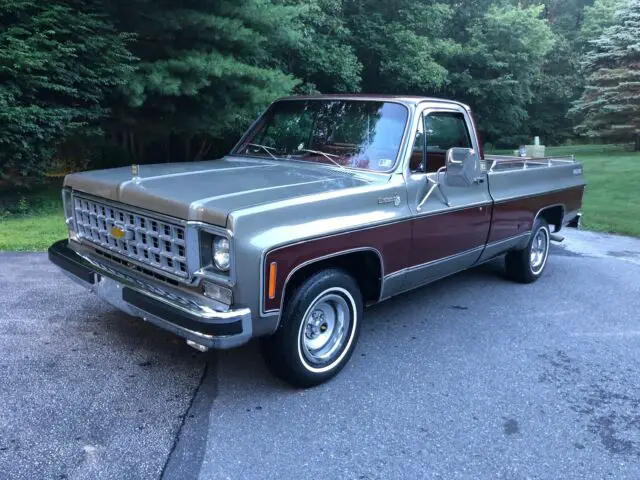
(196,322)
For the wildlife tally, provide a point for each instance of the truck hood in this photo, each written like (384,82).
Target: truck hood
(210,191)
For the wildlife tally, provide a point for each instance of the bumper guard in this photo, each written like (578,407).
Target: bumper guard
(199,324)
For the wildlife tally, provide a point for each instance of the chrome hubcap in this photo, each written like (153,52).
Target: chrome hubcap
(539,248)
(325,329)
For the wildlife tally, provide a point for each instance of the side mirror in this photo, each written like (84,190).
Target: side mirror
(463,167)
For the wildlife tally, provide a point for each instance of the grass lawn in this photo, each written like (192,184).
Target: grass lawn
(612,198)
(33,221)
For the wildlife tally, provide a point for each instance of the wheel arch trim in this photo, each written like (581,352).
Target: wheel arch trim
(297,268)
(548,207)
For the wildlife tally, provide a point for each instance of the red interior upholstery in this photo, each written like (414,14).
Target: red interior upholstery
(416,159)
(435,160)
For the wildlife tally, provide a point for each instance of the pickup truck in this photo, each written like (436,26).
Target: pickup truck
(326,205)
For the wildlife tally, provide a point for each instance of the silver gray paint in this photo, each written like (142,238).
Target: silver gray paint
(510,184)
(416,276)
(265,204)
(209,191)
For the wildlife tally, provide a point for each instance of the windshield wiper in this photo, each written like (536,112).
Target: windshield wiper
(328,156)
(265,148)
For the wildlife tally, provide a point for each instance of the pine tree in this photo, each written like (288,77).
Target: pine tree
(206,69)
(596,18)
(60,61)
(610,105)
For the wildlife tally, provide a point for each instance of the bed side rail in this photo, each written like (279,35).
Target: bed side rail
(506,162)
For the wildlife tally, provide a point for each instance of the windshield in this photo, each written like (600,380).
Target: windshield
(348,133)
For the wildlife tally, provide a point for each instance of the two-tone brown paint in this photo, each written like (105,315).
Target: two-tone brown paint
(436,236)
(514,217)
(392,241)
(420,239)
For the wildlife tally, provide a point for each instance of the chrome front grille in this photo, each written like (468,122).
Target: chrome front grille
(150,241)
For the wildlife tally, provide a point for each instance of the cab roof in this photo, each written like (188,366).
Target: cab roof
(404,99)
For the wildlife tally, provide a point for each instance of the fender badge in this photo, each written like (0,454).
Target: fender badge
(395,199)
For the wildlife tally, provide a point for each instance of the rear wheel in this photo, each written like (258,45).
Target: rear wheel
(318,330)
(527,265)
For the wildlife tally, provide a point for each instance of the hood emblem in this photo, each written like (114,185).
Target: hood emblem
(135,172)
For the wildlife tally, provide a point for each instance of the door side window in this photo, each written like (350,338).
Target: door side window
(444,130)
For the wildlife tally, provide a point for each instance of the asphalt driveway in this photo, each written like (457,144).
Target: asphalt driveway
(472,377)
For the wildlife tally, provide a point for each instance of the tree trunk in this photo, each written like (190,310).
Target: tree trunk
(204,149)
(124,140)
(187,148)
(132,147)
(142,150)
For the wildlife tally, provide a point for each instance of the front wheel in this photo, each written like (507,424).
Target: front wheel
(318,330)
(527,265)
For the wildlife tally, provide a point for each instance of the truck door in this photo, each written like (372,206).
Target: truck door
(450,228)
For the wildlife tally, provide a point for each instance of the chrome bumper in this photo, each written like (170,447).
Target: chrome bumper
(199,324)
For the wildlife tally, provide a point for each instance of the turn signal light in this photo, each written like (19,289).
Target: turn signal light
(216,292)
(273,270)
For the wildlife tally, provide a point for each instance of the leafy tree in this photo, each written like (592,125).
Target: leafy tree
(485,52)
(557,85)
(610,105)
(162,80)
(560,80)
(208,67)
(496,68)
(400,43)
(59,63)
(322,58)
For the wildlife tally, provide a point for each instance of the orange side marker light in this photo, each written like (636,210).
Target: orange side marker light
(273,270)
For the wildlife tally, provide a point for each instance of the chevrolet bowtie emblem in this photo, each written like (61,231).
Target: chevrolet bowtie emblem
(117,232)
